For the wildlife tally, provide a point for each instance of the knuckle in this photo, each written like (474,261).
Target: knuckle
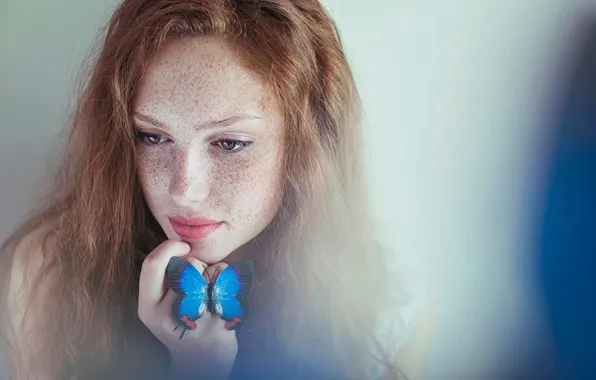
(149,262)
(165,250)
(173,246)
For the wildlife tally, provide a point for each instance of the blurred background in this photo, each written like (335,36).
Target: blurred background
(480,143)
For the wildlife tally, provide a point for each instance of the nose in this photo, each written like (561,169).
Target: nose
(189,182)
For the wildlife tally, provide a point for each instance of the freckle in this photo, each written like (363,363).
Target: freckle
(188,88)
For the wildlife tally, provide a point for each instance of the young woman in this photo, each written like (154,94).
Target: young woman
(213,130)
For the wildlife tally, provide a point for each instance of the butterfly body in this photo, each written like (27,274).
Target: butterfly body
(195,295)
(210,306)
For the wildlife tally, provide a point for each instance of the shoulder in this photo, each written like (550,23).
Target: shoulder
(29,285)
(30,255)
(33,248)
(28,263)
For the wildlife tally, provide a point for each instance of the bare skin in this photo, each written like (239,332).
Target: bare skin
(189,167)
(210,349)
(230,173)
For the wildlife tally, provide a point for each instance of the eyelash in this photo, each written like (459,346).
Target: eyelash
(143,136)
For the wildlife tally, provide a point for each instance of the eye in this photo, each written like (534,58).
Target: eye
(149,138)
(231,145)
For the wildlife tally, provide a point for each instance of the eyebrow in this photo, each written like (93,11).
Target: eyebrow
(209,125)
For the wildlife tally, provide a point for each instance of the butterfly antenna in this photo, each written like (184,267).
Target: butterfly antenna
(183,331)
(206,272)
(216,271)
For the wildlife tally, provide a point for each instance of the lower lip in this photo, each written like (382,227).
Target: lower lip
(194,232)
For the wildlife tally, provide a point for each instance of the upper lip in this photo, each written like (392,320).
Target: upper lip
(192,221)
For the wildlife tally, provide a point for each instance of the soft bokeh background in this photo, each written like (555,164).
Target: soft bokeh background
(458,96)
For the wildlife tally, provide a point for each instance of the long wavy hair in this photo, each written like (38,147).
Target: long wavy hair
(319,248)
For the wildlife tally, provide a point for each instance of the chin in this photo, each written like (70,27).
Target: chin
(209,251)
(207,256)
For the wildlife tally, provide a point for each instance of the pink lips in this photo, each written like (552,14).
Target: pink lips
(193,228)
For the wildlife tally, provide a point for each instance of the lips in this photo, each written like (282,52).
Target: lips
(193,228)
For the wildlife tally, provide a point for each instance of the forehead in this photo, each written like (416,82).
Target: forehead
(199,78)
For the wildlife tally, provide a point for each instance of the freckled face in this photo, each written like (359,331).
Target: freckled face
(191,167)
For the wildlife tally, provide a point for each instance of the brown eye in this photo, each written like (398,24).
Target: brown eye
(149,138)
(232,145)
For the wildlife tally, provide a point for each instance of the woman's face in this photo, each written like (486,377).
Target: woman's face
(210,146)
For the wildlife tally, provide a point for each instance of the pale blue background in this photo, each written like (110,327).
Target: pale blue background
(455,94)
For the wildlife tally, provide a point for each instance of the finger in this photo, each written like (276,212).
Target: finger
(169,299)
(197,263)
(153,270)
(166,306)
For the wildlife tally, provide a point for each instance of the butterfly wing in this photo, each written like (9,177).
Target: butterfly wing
(190,286)
(232,284)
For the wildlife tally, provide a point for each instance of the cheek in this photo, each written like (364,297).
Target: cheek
(243,189)
(248,191)
(153,178)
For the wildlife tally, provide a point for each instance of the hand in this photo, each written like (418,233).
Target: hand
(208,350)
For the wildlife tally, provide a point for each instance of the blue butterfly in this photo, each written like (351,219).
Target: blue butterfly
(196,295)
